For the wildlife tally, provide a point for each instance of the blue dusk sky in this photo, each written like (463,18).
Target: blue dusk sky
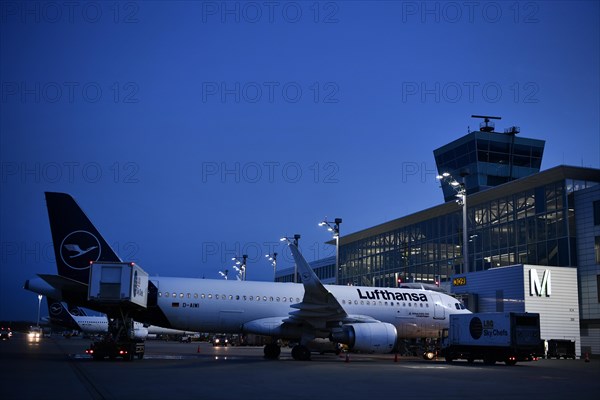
(194,131)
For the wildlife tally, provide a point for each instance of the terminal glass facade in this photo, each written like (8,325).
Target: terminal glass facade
(532,226)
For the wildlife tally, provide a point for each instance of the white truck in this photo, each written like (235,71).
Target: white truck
(492,337)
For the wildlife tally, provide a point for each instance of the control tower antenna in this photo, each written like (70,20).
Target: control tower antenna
(486,125)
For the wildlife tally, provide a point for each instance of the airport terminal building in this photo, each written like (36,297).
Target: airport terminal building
(516,216)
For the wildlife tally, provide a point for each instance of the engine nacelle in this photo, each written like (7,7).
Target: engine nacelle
(377,337)
(140,333)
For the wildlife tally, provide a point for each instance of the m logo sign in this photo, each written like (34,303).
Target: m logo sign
(540,289)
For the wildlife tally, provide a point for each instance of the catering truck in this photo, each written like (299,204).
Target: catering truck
(501,336)
(119,289)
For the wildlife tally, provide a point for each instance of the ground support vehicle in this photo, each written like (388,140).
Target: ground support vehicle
(506,337)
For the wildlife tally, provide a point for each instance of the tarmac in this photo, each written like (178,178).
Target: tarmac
(57,368)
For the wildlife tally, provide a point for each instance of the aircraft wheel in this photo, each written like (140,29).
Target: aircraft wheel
(272,351)
(301,353)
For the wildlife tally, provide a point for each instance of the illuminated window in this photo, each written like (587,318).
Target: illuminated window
(159,294)
(166,294)
(181,295)
(174,294)
(203,295)
(195,295)
(210,296)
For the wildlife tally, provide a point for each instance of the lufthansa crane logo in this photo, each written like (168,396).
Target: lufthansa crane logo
(79,248)
(55,308)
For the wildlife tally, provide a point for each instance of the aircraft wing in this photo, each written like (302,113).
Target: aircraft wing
(318,305)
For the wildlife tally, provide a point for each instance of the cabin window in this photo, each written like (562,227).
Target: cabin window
(181,295)
(210,296)
(237,296)
(217,296)
(224,297)
(189,295)
(203,295)
(195,295)
(159,294)
(277,299)
(251,298)
(174,294)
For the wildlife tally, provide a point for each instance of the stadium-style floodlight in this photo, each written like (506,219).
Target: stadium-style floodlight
(335,230)
(273,260)
(294,240)
(461,194)
(240,265)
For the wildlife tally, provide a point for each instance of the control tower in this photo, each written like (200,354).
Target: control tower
(485,158)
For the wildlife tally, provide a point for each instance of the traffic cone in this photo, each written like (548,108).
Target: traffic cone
(587,357)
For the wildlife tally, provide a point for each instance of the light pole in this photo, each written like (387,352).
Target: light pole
(242,265)
(335,229)
(39,307)
(295,241)
(461,193)
(273,260)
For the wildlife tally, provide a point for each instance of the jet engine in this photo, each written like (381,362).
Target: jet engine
(376,337)
(140,333)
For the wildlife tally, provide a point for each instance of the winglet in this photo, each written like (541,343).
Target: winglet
(314,291)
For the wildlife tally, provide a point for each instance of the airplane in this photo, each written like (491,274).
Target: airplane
(368,319)
(60,315)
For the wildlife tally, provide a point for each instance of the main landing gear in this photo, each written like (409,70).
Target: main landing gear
(299,352)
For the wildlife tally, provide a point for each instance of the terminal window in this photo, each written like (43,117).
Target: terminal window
(597,212)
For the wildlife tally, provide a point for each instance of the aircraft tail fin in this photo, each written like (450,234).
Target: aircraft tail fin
(76,240)
(59,315)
